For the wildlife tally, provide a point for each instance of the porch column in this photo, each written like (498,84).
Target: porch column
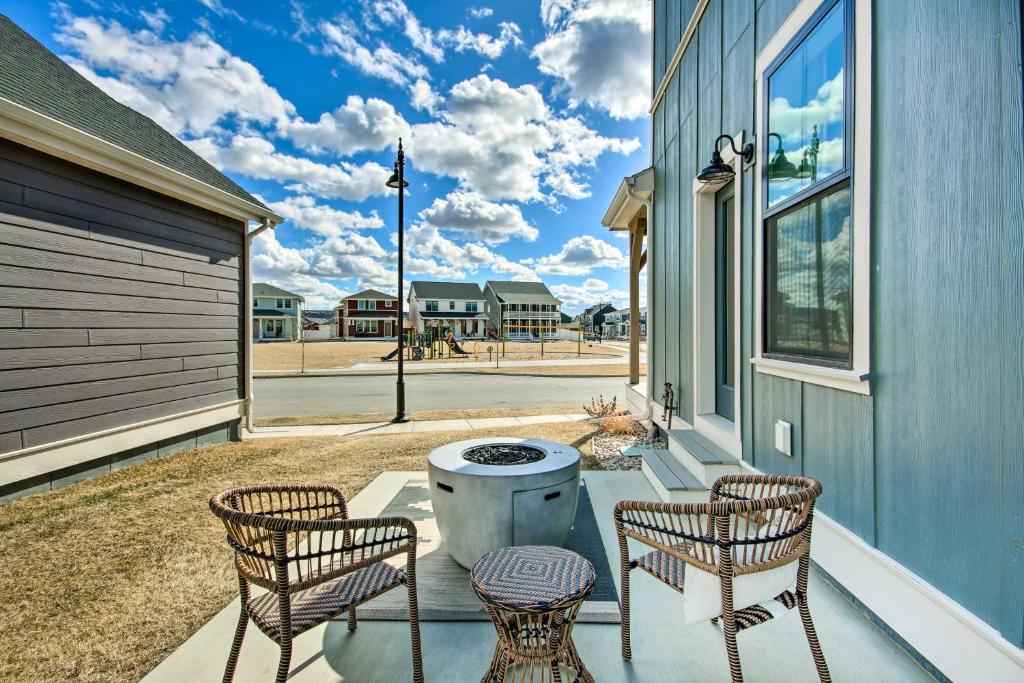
(637,258)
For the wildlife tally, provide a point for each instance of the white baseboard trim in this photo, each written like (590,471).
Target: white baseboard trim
(943,632)
(32,462)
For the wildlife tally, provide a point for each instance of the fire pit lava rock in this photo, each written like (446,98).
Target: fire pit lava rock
(496,492)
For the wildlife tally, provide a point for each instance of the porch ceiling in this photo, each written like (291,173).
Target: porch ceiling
(662,645)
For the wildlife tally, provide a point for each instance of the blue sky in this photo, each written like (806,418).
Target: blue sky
(519,120)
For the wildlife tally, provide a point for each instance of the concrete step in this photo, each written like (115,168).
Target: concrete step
(673,482)
(706,460)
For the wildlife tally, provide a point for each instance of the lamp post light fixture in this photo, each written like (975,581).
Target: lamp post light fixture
(809,164)
(780,168)
(397,181)
(717,171)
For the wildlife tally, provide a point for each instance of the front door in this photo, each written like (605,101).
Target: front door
(725,298)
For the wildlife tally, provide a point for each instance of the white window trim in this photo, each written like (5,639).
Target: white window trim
(856,379)
(707,422)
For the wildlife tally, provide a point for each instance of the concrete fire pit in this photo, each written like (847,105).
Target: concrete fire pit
(492,493)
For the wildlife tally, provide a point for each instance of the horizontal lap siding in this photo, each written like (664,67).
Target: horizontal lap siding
(117,305)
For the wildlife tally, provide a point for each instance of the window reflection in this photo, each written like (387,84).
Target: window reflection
(809,278)
(806,111)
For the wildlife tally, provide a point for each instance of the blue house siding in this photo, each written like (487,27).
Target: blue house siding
(929,468)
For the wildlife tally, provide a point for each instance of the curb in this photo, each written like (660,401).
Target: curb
(440,372)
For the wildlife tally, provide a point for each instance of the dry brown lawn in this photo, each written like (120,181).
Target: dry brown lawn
(103,579)
(336,355)
(361,418)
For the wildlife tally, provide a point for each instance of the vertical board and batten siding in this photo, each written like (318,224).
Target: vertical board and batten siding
(929,468)
(118,305)
(948,284)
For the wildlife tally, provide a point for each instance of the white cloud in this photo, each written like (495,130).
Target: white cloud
(423,97)
(257,158)
(577,297)
(600,51)
(505,142)
(381,62)
(307,214)
(462,39)
(475,218)
(579,256)
(480,12)
(426,241)
(188,86)
(396,13)
(218,8)
(156,19)
(356,126)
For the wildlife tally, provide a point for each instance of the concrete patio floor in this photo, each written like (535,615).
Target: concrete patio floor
(664,649)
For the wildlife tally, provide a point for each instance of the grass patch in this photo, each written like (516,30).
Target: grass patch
(103,579)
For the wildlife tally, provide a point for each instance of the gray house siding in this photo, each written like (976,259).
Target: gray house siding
(118,305)
(929,468)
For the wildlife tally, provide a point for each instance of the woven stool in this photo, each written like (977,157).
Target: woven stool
(533,594)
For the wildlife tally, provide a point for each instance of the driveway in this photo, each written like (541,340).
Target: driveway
(290,396)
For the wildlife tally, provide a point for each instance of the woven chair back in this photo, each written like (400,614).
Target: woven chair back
(763,519)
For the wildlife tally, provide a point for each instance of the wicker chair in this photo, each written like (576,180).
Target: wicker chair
(746,553)
(298,543)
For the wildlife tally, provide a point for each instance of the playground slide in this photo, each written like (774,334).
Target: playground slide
(454,346)
(390,355)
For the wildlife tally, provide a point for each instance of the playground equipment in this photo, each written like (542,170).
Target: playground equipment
(453,346)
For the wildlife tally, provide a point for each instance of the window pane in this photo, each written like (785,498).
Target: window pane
(808,283)
(806,111)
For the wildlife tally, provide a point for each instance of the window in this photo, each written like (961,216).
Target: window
(431,306)
(287,303)
(366,326)
(255,303)
(361,304)
(471,307)
(807,198)
(451,305)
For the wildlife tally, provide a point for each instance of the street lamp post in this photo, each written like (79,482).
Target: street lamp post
(397,180)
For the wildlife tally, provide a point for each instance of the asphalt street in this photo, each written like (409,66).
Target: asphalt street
(289,396)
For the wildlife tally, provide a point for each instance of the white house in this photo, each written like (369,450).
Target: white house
(458,306)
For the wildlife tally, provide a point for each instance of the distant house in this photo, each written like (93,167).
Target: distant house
(276,313)
(523,308)
(368,314)
(318,325)
(136,249)
(592,318)
(615,324)
(457,306)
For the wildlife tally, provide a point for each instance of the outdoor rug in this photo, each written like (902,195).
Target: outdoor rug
(442,586)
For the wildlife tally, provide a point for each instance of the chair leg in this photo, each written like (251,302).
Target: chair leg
(627,650)
(414,623)
(352,619)
(236,645)
(812,640)
(733,652)
(286,659)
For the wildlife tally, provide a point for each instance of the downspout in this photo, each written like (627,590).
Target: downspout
(267,223)
(630,182)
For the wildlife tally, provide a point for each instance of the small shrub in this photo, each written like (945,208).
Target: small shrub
(600,408)
(621,424)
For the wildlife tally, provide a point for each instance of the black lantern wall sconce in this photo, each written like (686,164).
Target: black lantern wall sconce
(717,171)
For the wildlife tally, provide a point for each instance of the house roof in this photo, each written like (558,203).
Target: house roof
(624,208)
(598,308)
(566,318)
(263,289)
(516,292)
(267,313)
(371,294)
(446,290)
(318,314)
(34,78)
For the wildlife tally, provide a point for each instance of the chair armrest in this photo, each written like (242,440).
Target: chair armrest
(678,529)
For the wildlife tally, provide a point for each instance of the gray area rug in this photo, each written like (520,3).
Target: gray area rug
(443,586)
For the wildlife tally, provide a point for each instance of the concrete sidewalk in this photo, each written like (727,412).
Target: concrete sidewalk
(460,365)
(414,427)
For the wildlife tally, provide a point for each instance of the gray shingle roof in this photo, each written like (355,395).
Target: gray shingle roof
(35,78)
(263,289)
(515,292)
(447,290)
(371,294)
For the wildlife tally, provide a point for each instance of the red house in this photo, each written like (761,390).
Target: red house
(368,315)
